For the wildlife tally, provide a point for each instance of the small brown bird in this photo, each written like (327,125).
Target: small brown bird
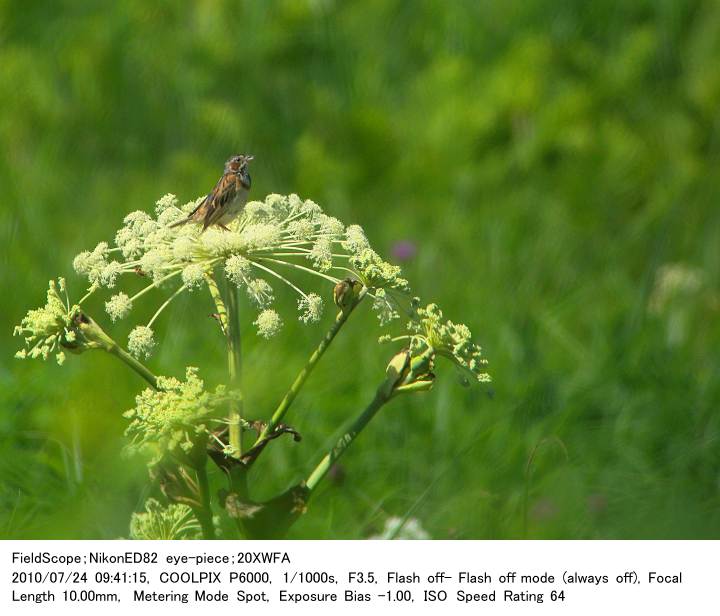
(227,199)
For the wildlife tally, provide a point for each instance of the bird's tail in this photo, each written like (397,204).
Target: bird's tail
(180,223)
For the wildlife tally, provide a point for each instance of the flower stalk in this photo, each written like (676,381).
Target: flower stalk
(234,366)
(229,318)
(404,374)
(347,439)
(133,364)
(219,303)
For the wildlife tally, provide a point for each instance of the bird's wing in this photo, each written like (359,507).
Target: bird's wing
(223,193)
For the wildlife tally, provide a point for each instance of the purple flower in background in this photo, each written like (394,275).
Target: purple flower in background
(403,250)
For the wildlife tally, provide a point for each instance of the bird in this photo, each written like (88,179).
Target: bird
(226,200)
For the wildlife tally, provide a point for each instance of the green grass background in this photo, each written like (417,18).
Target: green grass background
(547,158)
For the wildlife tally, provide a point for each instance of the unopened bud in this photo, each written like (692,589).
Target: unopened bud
(407,373)
(346,292)
(395,372)
(421,365)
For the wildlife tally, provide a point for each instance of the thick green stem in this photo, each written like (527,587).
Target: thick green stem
(219,304)
(230,324)
(299,381)
(204,515)
(133,363)
(233,356)
(381,397)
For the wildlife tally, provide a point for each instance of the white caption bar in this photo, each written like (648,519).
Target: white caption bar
(323,577)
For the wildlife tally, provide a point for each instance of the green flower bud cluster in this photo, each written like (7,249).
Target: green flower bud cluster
(55,327)
(175,419)
(160,522)
(429,330)
(431,335)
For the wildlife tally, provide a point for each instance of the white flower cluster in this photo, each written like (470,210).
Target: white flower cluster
(141,341)
(96,267)
(311,308)
(118,306)
(268,323)
(271,241)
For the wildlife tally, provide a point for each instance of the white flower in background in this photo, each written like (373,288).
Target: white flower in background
(401,528)
(674,281)
(678,291)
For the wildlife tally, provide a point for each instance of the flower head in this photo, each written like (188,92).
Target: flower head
(49,328)
(193,275)
(384,308)
(355,239)
(674,281)
(164,522)
(154,263)
(141,342)
(280,240)
(376,273)
(119,306)
(60,326)
(165,202)
(238,269)
(431,332)
(93,264)
(311,308)
(175,418)
(321,254)
(268,323)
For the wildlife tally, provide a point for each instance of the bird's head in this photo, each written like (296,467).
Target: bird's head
(239,166)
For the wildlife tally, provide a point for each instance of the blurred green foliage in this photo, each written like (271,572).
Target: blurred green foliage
(547,159)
